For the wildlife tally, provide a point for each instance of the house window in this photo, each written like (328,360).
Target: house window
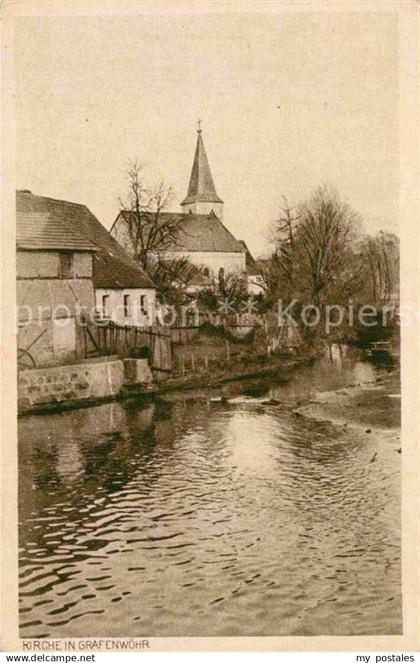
(143,304)
(206,271)
(126,305)
(106,313)
(66,265)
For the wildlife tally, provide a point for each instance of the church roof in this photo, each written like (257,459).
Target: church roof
(251,265)
(112,266)
(197,232)
(201,187)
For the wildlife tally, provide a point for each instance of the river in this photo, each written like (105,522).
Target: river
(182,516)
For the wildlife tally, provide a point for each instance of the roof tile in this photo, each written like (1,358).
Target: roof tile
(197,232)
(113,267)
(201,187)
(40,230)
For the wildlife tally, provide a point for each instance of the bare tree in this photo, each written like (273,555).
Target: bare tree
(379,256)
(274,279)
(226,295)
(149,229)
(325,244)
(282,236)
(321,259)
(173,279)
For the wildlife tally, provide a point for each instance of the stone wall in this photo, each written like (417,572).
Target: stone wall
(89,381)
(137,371)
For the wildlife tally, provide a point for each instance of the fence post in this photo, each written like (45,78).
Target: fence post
(192,362)
(83,322)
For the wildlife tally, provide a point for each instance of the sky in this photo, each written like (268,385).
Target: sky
(288,101)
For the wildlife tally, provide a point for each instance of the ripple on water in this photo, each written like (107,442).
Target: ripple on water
(206,520)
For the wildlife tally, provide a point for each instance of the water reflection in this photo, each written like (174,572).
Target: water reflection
(188,517)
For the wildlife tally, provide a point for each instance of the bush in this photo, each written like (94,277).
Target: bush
(383,329)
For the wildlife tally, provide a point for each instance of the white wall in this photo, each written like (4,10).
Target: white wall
(213,260)
(82,265)
(46,264)
(34,264)
(119,231)
(50,307)
(255,284)
(230,262)
(57,344)
(116,304)
(64,339)
(204,208)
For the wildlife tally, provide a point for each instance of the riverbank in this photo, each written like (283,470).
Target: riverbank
(50,390)
(276,366)
(373,407)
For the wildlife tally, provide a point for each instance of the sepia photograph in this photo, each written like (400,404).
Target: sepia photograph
(207,222)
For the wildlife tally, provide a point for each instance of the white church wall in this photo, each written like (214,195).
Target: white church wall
(230,262)
(119,231)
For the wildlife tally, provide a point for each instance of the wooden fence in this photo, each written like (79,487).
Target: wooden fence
(174,349)
(169,349)
(154,342)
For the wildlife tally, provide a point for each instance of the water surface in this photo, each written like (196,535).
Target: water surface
(182,516)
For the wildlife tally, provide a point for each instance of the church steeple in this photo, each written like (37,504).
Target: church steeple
(202,197)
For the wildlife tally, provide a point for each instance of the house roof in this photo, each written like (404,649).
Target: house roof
(113,267)
(197,232)
(40,230)
(201,187)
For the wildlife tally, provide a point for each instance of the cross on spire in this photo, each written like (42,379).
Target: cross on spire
(199,126)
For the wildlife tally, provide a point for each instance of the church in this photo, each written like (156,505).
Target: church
(202,236)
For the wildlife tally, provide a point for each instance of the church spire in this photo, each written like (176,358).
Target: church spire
(202,197)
